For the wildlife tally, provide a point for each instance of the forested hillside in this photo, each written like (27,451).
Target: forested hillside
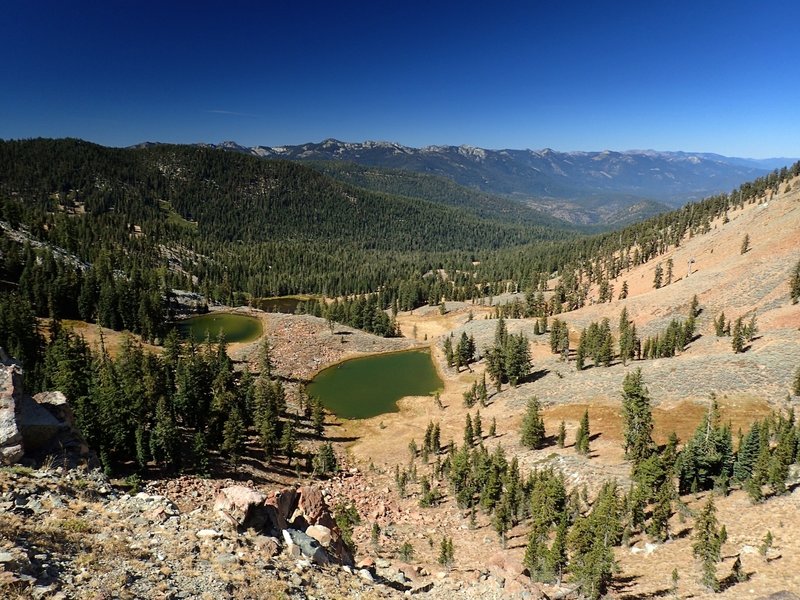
(236,222)
(436,189)
(104,234)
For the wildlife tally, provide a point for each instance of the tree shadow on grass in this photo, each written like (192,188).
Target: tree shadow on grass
(679,535)
(534,376)
(662,593)
(621,583)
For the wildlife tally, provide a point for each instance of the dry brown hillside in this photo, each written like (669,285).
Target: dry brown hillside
(748,386)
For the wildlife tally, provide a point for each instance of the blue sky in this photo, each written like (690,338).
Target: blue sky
(699,76)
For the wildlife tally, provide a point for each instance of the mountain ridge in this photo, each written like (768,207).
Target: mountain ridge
(597,183)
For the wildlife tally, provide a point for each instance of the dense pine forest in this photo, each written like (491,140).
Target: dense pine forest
(105,234)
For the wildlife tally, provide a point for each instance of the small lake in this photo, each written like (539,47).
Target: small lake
(237,328)
(280,304)
(366,387)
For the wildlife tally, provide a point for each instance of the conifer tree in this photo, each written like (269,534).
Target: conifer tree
(707,544)
(446,553)
(494,366)
(200,454)
(637,419)
(556,561)
(477,426)
(288,441)
(562,435)
(591,540)
(745,244)
(658,276)
(580,353)
(265,362)
(317,417)
(719,325)
(751,328)
(738,338)
(324,462)
(233,437)
(165,439)
(502,518)
(536,551)
(583,434)
(794,284)
(469,433)
(532,434)
(482,394)
(448,351)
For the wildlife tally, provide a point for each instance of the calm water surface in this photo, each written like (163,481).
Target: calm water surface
(365,387)
(237,328)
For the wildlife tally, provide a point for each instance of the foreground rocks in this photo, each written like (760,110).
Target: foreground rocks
(72,534)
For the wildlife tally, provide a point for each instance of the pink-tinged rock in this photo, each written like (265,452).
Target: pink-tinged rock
(241,506)
(280,506)
(505,565)
(311,503)
(366,563)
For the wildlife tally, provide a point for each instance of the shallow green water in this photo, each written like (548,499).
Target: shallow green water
(370,386)
(279,304)
(237,328)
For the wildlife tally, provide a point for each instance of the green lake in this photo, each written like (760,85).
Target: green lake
(280,304)
(237,328)
(365,387)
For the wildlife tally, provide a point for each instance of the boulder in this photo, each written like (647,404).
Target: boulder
(11,450)
(320,533)
(37,425)
(309,547)
(280,507)
(242,507)
(313,507)
(266,545)
(501,565)
(56,404)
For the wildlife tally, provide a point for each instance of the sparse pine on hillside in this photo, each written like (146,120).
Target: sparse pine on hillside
(583,434)
(532,434)
(796,385)
(658,276)
(745,247)
(637,419)
(794,284)
(707,544)
(707,458)
(738,336)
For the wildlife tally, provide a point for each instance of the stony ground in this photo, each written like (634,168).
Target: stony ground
(73,534)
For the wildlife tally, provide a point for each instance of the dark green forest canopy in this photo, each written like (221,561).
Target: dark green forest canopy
(440,190)
(236,223)
(264,227)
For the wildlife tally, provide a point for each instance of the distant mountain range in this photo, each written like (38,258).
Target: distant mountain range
(583,187)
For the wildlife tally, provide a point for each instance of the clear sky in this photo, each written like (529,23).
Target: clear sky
(699,75)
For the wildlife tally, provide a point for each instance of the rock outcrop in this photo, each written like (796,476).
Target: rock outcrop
(11,450)
(35,427)
(300,517)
